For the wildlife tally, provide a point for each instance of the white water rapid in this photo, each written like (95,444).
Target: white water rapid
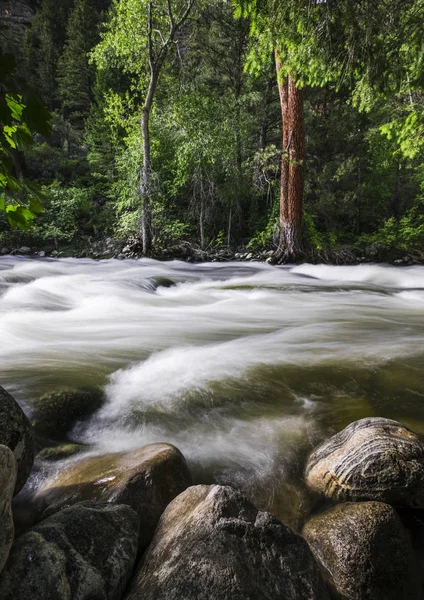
(243,366)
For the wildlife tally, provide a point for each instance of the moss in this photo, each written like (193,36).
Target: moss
(55,414)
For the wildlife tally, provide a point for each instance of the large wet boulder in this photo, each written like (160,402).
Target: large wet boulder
(7,485)
(146,479)
(86,552)
(211,542)
(364,552)
(371,459)
(16,434)
(55,414)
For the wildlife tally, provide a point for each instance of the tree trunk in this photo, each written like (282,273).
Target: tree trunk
(292,166)
(201,225)
(145,186)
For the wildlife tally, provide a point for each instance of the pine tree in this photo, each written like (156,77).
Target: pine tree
(76,74)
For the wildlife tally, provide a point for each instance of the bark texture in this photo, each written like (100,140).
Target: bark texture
(292,165)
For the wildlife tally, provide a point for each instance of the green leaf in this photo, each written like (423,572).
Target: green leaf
(15,106)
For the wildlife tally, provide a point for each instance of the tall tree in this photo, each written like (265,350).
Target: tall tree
(76,75)
(292,164)
(140,35)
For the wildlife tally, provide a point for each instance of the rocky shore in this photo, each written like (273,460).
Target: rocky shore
(132,526)
(109,248)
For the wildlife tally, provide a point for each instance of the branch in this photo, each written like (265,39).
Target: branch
(184,16)
(171,16)
(149,35)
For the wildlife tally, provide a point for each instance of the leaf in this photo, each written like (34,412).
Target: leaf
(19,216)
(35,207)
(15,106)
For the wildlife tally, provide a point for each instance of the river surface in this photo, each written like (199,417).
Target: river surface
(244,366)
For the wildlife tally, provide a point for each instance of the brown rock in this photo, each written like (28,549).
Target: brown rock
(211,542)
(364,552)
(371,459)
(146,479)
(7,485)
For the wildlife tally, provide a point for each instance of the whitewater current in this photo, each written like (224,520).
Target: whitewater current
(244,366)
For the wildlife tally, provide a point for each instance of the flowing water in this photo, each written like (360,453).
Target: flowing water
(244,366)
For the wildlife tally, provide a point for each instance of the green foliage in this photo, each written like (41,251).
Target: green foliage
(407,233)
(68,214)
(17,118)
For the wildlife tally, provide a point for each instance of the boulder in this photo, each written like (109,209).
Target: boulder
(86,552)
(364,551)
(146,479)
(55,414)
(16,434)
(211,542)
(7,485)
(371,459)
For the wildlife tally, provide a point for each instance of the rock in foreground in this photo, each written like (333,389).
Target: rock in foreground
(364,551)
(86,552)
(213,543)
(371,459)
(16,434)
(7,485)
(146,479)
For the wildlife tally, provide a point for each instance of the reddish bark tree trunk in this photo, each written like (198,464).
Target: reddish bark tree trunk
(292,166)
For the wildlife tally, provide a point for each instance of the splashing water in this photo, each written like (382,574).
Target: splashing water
(243,366)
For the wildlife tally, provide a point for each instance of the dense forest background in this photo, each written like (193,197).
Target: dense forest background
(216,128)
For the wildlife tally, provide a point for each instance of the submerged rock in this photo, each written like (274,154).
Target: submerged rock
(211,542)
(371,459)
(61,452)
(16,434)
(7,485)
(55,414)
(86,552)
(146,479)
(364,551)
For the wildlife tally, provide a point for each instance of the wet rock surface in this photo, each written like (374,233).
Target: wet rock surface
(371,459)
(16,434)
(364,552)
(86,552)
(146,479)
(211,542)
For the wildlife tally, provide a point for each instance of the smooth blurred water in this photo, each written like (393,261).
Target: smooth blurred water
(244,366)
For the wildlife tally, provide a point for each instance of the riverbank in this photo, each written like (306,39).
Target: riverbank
(107,248)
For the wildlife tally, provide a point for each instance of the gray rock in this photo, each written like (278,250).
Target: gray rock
(16,434)
(7,485)
(24,250)
(146,479)
(211,542)
(371,459)
(41,253)
(86,552)
(55,414)
(364,551)
(4,251)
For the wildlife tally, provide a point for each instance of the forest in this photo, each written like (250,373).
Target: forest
(294,127)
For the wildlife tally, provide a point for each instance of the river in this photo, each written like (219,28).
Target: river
(244,366)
